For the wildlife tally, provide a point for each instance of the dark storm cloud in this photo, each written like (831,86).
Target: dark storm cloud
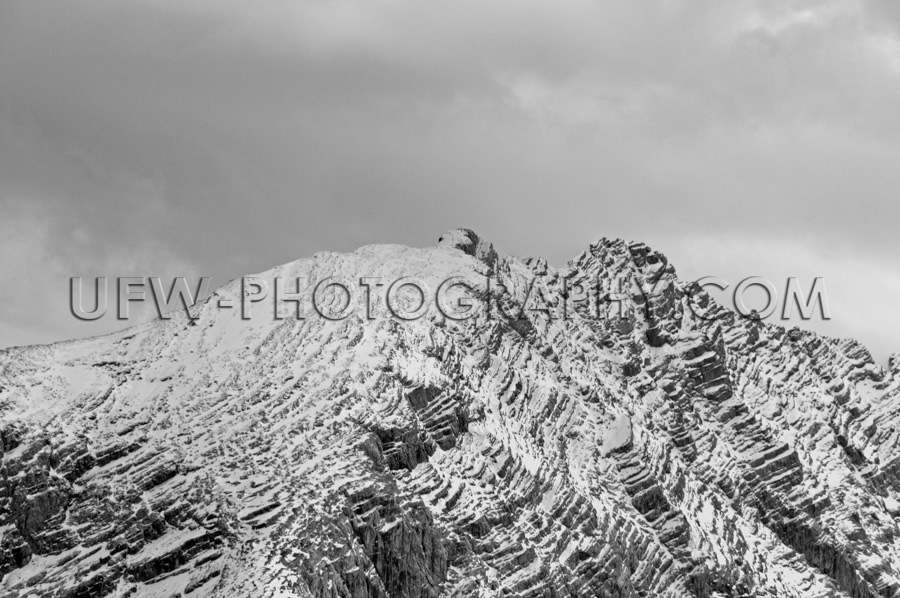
(167,138)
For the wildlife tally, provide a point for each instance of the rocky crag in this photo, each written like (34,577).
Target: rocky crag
(595,442)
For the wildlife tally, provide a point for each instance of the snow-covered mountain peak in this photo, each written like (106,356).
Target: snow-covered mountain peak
(571,436)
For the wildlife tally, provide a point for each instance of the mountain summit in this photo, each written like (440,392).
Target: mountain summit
(563,435)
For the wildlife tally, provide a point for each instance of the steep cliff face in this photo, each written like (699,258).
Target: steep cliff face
(576,437)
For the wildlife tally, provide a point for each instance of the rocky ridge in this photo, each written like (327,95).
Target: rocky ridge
(595,442)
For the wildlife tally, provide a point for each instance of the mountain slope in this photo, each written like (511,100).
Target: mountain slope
(642,450)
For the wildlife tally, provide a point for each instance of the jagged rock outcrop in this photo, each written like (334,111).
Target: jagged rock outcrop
(576,437)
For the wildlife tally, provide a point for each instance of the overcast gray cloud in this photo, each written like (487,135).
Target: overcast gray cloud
(222,137)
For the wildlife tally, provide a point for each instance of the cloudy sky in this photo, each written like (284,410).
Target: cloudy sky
(219,138)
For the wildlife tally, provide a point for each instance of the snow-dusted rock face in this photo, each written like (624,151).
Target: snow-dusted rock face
(643,451)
